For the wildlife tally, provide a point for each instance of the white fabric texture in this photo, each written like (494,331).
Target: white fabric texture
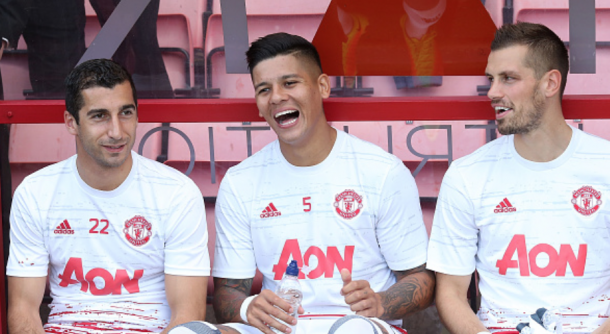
(537,233)
(97,243)
(358,209)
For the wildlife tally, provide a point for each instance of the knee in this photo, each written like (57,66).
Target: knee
(353,324)
(195,327)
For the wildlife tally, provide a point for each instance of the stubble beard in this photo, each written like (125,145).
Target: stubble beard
(524,121)
(101,161)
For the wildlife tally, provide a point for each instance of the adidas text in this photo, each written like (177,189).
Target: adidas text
(270,214)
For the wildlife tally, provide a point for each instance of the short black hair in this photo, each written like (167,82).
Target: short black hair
(546,51)
(94,73)
(281,44)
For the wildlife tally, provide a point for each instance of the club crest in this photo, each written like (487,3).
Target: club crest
(138,231)
(586,200)
(348,204)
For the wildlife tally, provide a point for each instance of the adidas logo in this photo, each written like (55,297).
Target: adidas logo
(505,206)
(64,228)
(270,211)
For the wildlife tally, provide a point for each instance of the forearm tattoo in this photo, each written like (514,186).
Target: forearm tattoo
(228,296)
(412,292)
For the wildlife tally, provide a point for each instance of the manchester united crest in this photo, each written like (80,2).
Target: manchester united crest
(138,231)
(348,204)
(586,200)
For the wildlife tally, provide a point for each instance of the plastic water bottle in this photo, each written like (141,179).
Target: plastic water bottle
(289,289)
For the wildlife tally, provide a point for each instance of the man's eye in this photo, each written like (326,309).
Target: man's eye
(262,90)
(127,112)
(97,116)
(290,83)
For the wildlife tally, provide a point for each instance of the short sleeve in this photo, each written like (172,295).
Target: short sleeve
(28,255)
(186,238)
(454,237)
(400,229)
(234,252)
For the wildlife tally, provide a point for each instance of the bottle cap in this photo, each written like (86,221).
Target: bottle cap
(292,269)
(536,318)
(540,312)
(521,325)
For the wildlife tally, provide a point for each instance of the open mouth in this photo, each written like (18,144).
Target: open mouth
(501,111)
(287,117)
(114,148)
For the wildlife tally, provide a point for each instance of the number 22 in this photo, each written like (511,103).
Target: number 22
(97,223)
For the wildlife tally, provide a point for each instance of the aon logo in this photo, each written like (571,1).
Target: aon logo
(558,260)
(326,261)
(112,285)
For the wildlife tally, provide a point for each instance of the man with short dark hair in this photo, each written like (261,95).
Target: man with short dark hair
(122,238)
(345,210)
(526,211)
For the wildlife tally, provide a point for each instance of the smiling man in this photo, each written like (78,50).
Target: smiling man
(344,209)
(527,211)
(122,238)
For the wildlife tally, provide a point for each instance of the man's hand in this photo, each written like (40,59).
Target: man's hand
(266,307)
(360,297)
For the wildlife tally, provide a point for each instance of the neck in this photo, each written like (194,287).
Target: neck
(548,141)
(313,151)
(102,178)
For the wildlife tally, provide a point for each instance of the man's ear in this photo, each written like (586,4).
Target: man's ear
(324,85)
(70,123)
(552,83)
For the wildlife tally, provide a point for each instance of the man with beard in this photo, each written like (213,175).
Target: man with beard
(124,237)
(528,210)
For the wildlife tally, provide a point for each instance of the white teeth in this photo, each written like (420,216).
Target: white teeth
(289,122)
(500,109)
(285,112)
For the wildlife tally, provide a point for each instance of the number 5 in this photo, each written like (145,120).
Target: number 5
(307,204)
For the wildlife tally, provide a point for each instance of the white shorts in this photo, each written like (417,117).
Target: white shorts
(321,324)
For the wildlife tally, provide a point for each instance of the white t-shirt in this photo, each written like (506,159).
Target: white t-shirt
(537,233)
(108,251)
(358,209)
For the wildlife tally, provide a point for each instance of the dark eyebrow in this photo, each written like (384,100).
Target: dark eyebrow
(95,111)
(128,106)
(284,77)
(259,85)
(503,74)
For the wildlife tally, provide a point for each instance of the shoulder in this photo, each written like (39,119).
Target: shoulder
(489,153)
(365,152)
(592,143)
(268,156)
(156,173)
(48,175)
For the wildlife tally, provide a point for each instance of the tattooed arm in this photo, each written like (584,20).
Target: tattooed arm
(229,294)
(412,292)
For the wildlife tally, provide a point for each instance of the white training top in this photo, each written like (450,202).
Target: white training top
(358,209)
(108,251)
(537,233)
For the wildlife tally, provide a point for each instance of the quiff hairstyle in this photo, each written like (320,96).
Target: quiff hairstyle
(282,44)
(546,51)
(94,73)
